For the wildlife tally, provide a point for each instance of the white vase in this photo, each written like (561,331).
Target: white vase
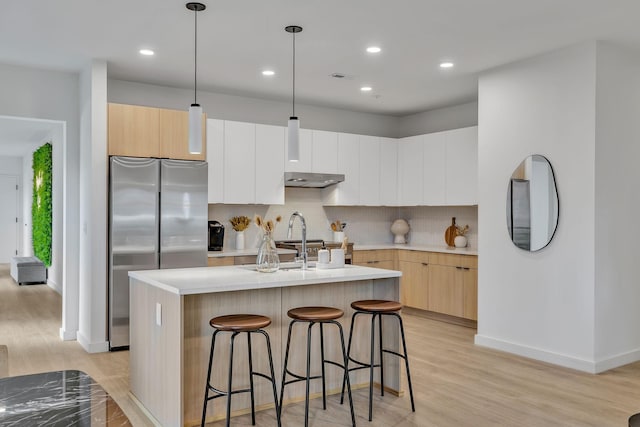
(240,240)
(460,241)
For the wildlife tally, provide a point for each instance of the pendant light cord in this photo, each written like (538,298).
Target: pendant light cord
(195,59)
(294,75)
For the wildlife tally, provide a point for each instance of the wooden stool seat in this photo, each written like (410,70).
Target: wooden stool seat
(240,322)
(376,305)
(315,314)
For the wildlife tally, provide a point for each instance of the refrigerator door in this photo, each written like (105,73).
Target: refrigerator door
(133,235)
(183,214)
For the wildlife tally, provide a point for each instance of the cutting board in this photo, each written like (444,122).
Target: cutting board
(450,233)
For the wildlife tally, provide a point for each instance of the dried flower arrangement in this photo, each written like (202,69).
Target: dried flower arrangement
(240,223)
(461,231)
(268,226)
(338,226)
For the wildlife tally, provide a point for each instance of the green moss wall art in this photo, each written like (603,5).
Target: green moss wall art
(41,211)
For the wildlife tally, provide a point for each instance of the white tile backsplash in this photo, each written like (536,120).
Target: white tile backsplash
(365,225)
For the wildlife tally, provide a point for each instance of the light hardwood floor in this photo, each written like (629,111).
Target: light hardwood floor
(456,383)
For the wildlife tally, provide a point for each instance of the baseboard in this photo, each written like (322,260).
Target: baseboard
(537,354)
(54,286)
(617,360)
(89,347)
(68,335)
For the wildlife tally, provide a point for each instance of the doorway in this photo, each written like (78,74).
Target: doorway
(8,218)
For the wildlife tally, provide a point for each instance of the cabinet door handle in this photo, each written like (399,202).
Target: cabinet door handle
(466,268)
(372,262)
(425,263)
(459,268)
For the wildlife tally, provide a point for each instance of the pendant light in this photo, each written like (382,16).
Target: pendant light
(195,110)
(293,126)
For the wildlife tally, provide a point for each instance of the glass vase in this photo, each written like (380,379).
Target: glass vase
(267,260)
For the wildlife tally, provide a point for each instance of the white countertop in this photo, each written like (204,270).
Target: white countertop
(409,247)
(245,252)
(203,280)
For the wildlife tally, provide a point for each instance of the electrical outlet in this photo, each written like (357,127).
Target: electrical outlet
(158,314)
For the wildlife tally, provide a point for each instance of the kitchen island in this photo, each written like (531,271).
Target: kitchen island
(171,336)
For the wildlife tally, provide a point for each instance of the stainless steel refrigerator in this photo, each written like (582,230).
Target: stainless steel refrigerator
(157,219)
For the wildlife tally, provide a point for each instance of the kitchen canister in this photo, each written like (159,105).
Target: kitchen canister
(337,257)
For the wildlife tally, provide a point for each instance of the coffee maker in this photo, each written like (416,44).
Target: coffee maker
(216,236)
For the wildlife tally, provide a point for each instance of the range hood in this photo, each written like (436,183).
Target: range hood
(311,180)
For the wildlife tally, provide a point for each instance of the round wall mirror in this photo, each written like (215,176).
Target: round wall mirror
(532,204)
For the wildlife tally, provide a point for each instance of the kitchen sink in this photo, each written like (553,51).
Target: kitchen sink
(284,266)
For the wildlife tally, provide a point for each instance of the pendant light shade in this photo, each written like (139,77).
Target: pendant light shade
(293,126)
(195,110)
(293,136)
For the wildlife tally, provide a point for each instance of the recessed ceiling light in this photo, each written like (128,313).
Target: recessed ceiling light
(446,65)
(373,49)
(146,52)
(366,88)
(268,73)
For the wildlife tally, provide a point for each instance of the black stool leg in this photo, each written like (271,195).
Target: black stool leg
(206,387)
(353,321)
(346,372)
(406,361)
(324,389)
(233,338)
(306,398)
(284,369)
(371,363)
(273,375)
(253,403)
(380,317)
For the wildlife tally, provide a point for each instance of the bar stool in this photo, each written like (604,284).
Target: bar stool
(236,324)
(377,309)
(312,316)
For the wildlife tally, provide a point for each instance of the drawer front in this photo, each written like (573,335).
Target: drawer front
(219,261)
(414,256)
(363,257)
(453,260)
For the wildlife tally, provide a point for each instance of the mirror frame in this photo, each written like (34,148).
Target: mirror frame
(557,197)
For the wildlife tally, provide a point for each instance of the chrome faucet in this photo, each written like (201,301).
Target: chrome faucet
(304,235)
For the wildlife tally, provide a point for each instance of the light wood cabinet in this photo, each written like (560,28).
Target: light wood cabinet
(439,282)
(381,258)
(174,136)
(414,283)
(139,131)
(220,261)
(133,131)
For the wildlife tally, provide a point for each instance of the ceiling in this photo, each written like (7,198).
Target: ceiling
(237,39)
(19,137)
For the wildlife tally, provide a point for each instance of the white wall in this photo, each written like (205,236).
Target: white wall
(617,318)
(441,119)
(365,225)
(540,304)
(53,95)
(255,110)
(92,333)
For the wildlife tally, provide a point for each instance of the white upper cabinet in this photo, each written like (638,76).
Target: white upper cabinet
(410,175)
(369,171)
(388,171)
(215,160)
(269,170)
(347,192)
(324,152)
(462,166)
(304,164)
(239,162)
(433,169)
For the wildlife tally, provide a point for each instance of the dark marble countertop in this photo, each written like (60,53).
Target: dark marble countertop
(57,399)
